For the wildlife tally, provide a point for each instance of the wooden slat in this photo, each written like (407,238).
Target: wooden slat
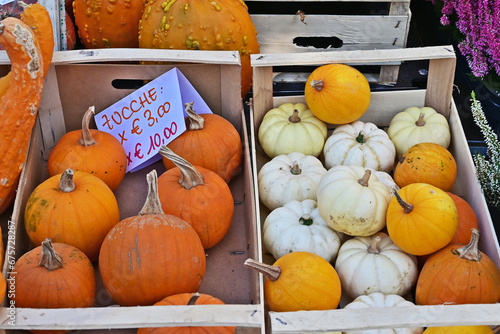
(133,317)
(353,57)
(383,317)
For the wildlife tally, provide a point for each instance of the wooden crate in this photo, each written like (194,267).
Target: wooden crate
(332,25)
(80,79)
(384,105)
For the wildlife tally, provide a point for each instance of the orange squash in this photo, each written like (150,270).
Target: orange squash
(201,25)
(189,299)
(54,275)
(198,196)
(421,218)
(76,208)
(210,141)
(3,287)
(299,281)
(467,220)
(92,151)
(337,93)
(19,104)
(459,330)
(108,23)
(427,163)
(459,275)
(152,255)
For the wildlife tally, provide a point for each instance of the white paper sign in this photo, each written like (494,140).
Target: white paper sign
(150,117)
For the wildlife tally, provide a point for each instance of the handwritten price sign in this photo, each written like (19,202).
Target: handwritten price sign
(150,117)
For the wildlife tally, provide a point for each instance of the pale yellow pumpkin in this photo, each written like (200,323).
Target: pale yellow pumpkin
(352,200)
(292,128)
(417,125)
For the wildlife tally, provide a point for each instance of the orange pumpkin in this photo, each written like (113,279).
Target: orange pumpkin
(108,23)
(3,287)
(337,93)
(198,196)
(201,25)
(459,275)
(467,220)
(426,163)
(189,299)
(76,208)
(19,104)
(152,255)
(459,330)
(90,150)
(299,281)
(421,218)
(54,275)
(210,141)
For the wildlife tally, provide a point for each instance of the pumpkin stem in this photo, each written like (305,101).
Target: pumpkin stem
(407,207)
(270,271)
(364,180)
(193,299)
(317,84)
(294,118)
(306,220)
(87,139)
(152,204)
(50,259)
(360,138)
(420,121)
(196,122)
(374,247)
(190,176)
(295,170)
(66,183)
(471,251)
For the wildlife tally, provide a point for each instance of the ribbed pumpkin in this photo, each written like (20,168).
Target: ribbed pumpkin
(19,104)
(426,163)
(210,141)
(54,275)
(3,287)
(108,23)
(147,257)
(421,218)
(299,281)
(92,151)
(198,196)
(337,93)
(201,25)
(292,128)
(459,275)
(76,208)
(189,299)
(467,220)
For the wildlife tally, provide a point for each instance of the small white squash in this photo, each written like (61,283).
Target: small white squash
(298,226)
(375,264)
(377,299)
(287,177)
(417,125)
(352,200)
(292,128)
(362,144)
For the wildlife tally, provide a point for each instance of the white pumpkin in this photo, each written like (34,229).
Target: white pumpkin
(287,177)
(362,144)
(377,299)
(352,200)
(292,128)
(375,264)
(386,179)
(298,226)
(417,125)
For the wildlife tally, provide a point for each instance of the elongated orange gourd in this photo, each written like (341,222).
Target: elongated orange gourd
(19,105)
